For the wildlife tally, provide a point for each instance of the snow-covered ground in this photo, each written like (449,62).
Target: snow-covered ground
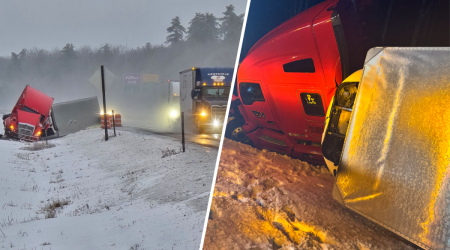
(86,193)
(264,200)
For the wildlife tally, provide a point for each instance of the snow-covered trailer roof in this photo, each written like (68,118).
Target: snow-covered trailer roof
(395,165)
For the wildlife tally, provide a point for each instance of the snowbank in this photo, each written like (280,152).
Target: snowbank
(85,193)
(263,200)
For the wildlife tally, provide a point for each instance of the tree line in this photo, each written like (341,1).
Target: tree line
(208,41)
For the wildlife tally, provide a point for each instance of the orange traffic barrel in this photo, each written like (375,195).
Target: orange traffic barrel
(118,120)
(108,121)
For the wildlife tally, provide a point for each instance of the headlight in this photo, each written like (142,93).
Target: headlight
(346,94)
(11,127)
(38,133)
(173,114)
(216,123)
(203,113)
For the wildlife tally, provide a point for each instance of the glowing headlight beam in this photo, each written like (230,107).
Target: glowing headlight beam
(173,114)
(216,123)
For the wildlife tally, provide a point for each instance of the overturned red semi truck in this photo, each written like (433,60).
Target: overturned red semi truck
(31,116)
(287,80)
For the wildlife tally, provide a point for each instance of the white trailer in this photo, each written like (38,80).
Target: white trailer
(392,163)
(187,84)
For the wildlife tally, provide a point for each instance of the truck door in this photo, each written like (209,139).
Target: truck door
(299,95)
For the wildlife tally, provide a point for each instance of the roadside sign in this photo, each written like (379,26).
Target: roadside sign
(96,78)
(131,82)
(149,80)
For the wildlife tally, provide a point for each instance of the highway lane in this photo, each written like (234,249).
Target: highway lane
(207,140)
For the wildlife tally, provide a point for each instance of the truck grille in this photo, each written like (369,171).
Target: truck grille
(218,112)
(272,140)
(25,131)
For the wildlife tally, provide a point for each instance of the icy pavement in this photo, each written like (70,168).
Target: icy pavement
(86,193)
(208,140)
(263,200)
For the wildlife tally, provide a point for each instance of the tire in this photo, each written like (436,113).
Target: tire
(7,135)
(234,130)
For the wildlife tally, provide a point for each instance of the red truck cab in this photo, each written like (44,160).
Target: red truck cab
(30,116)
(287,80)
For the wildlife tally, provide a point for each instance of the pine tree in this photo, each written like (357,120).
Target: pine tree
(147,48)
(23,54)
(105,49)
(68,59)
(14,67)
(15,62)
(68,52)
(176,31)
(203,28)
(106,53)
(231,26)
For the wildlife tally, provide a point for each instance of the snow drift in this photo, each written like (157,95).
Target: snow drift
(263,200)
(132,192)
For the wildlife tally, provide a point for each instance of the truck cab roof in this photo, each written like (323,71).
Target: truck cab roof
(35,100)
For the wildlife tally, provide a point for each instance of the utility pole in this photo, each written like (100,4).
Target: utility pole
(104,103)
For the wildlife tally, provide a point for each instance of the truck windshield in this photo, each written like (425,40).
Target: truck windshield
(27,109)
(216,92)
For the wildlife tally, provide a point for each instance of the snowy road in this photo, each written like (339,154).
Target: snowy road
(263,200)
(208,140)
(86,193)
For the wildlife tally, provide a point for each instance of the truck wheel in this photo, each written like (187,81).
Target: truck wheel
(234,130)
(7,134)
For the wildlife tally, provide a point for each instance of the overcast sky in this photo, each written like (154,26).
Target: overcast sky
(48,24)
